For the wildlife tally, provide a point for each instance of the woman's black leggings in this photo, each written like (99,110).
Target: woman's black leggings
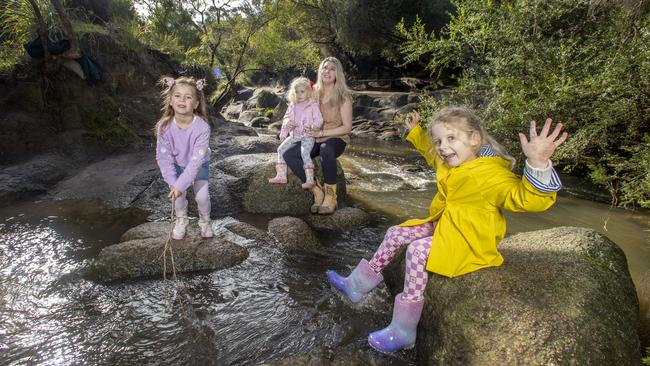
(328,150)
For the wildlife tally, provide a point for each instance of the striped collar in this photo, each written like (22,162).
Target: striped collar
(486,150)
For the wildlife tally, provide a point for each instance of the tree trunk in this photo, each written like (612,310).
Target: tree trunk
(42,30)
(74,52)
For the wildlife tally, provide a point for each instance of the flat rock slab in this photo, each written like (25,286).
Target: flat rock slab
(141,253)
(117,180)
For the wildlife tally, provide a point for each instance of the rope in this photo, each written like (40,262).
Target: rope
(168,246)
(181,294)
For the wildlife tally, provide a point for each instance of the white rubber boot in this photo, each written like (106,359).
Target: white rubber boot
(180,226)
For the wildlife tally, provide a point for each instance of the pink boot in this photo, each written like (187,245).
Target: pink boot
(401,331)
(309,183)
(280,174)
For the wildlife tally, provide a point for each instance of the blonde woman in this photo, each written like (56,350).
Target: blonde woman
(335,102)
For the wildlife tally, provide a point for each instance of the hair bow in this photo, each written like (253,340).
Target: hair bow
(169,82)
(200,84)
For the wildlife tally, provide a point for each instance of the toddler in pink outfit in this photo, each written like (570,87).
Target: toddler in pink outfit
(303,115)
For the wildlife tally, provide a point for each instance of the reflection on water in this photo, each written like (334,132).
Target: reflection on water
(269,307)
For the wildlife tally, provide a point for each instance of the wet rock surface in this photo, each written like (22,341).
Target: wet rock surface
(346,218)
(140,252)
(34,177)
(293,234)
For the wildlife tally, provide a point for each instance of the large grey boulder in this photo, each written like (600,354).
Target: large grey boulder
(118,180)
(140,253)
(644,308)
(230,129)
(238,145)
(246,117)
(265,97)
(33,177)
(293,234)
(564,296)
(233,111)
(261,197)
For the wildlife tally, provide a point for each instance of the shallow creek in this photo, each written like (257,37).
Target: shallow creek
(270,307)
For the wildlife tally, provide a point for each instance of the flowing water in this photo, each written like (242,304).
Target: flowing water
(270,307)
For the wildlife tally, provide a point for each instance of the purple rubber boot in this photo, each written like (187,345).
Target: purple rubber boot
(401,332)
(362,279)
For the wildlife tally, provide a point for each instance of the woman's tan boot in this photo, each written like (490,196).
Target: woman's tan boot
(317,191)
(329,202)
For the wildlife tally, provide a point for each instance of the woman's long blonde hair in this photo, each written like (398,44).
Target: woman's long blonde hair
(341,89)
(166,95)
(465,120)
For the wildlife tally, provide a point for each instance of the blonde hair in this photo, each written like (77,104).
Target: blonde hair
(465,120)
(166,95)
(341,89)
(297,82)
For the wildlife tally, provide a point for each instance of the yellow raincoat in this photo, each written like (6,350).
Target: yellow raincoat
(467,209)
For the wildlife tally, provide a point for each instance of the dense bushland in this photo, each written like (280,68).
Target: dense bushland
(583,62)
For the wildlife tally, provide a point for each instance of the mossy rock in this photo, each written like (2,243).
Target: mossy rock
(563,296)
(267,99)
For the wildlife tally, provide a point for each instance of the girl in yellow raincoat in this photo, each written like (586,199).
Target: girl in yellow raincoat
(465,223)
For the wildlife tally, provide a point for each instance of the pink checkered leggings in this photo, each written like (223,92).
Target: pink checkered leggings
(419,240)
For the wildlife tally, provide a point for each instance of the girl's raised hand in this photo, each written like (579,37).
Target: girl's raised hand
(412,119)
(540,147)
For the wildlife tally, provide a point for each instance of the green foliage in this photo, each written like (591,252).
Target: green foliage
(366,27)
(17,26)
(268,113)
(582,62)
(282,46)
(122,10)
(239,41)
(646,359)
(170,28)
(18,20)
(82,28)
(427,108)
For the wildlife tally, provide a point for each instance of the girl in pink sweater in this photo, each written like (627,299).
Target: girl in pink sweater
(182,150)
(302,116)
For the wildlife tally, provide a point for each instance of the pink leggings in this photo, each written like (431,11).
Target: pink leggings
(201,195)
(419,240)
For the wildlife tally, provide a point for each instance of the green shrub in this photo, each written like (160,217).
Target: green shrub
(581,62)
